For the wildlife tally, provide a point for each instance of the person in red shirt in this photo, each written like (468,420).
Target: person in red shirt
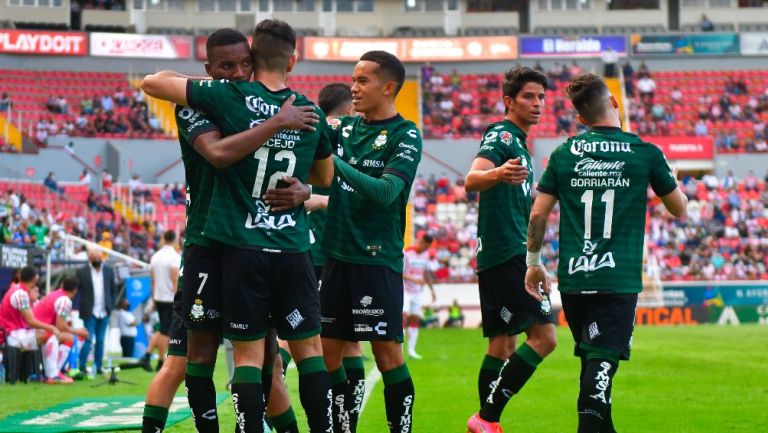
(23,330)
(54,310)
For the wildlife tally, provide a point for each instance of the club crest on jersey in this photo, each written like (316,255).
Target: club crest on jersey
(263,220)
(505,137)
(334,123)
(381,141)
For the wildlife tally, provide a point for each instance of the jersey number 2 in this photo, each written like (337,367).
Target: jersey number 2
(263,156)
(607,198)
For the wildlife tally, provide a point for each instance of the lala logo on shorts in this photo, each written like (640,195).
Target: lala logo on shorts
(197,311)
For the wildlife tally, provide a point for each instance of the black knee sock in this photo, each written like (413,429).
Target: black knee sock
(286,360)
(595,394)
(201,394)
(489,373)
(513,376)
(353,401)
(339,387)
(607,424)
(398,399)
(285,423)
(315,394)
(154,419)
(248,399)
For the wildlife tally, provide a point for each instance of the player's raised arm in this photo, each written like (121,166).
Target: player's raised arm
(167,85)
(676,202)
(222,152)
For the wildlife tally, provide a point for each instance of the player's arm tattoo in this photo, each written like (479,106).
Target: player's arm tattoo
(536,227)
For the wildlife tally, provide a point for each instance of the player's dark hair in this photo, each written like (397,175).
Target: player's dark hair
(169,236)
(224,37)
(274,42)
(70,284)
(516,78)
(429,239)
(334,96)
(27,274)
(390,67)
(588,93)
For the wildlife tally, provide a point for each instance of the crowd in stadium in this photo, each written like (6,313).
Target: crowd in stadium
(121,115)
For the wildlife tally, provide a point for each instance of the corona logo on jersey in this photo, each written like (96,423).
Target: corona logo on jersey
(258,105)
(578,147)
(591,261)
(263,220)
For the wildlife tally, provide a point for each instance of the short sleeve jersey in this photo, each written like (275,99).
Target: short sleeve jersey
(504,208)
(415,265)
(358,230)
(316,229)
(55,304)
(601,178)
(237,215)
(198,172)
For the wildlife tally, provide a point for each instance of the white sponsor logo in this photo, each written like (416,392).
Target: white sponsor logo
(413,133)
(210,414)
(258,105)
(591,264)
(239,416)
(345,131)
(264,220)
(578,147)
(593,331)
(294,319)
(506,315)
(489,137)
(368,312)
(603,381)
(343,416)
(406,417)
(366,301)
(14,257)
(372,163)
(186,113)
(381,328)
(593,164)
(405,155)
(243,326)
(408,146)
(362,327)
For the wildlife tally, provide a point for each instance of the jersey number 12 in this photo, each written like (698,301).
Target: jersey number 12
(263,156)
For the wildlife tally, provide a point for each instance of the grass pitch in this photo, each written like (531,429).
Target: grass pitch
(680,379)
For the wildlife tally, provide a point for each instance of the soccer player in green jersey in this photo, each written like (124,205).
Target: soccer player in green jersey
(228,58)
(264,258)
(375,162)
(501,173)
(601,179)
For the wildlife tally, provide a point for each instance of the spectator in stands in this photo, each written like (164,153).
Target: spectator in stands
(427,70)
(646,86)
(42,127)
(53,104)
(86,105)
(574,70)
(121,100)
(95,301)
(37,232)
(750,181)
(51,184)
(5,103)
(63,105)
(564,122)
(701,129)
(107,104)
(179,194)
(154,123)
(706,25)
(676,96)
(166,196)
(135,185)
(106,181)
(138,97)
(629,75)
(85,177)
(609,57)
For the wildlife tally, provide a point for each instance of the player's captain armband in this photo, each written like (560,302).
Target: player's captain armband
(533,259)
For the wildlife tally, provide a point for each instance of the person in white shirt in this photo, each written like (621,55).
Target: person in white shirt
(164,275)
(610,57)
(415,275)
(646,86)
(126,321)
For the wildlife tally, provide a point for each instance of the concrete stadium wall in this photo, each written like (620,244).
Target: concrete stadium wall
(741,165)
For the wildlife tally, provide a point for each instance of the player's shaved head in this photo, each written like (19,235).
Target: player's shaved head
(590,96)
(224,37)
(390,67)
(516,78)
(335,99)
(274,43)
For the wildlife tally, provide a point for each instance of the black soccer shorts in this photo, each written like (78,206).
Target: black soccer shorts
(505,305)
(361,302)
(165,314)
(177,334)
(259,285)
(601,324)
(201,287)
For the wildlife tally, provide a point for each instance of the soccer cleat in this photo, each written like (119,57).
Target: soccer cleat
(479,425)
(414,355)
(65,379)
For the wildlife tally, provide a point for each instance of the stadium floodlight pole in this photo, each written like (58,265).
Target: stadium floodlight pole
(96,246)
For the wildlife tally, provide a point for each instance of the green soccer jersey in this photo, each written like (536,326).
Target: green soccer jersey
(358,230)
(237,215)
(199,173)
(601,178)
(316,228)
(504,208)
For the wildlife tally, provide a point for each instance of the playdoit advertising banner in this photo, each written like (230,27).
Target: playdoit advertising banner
(696,44)
(92,414)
